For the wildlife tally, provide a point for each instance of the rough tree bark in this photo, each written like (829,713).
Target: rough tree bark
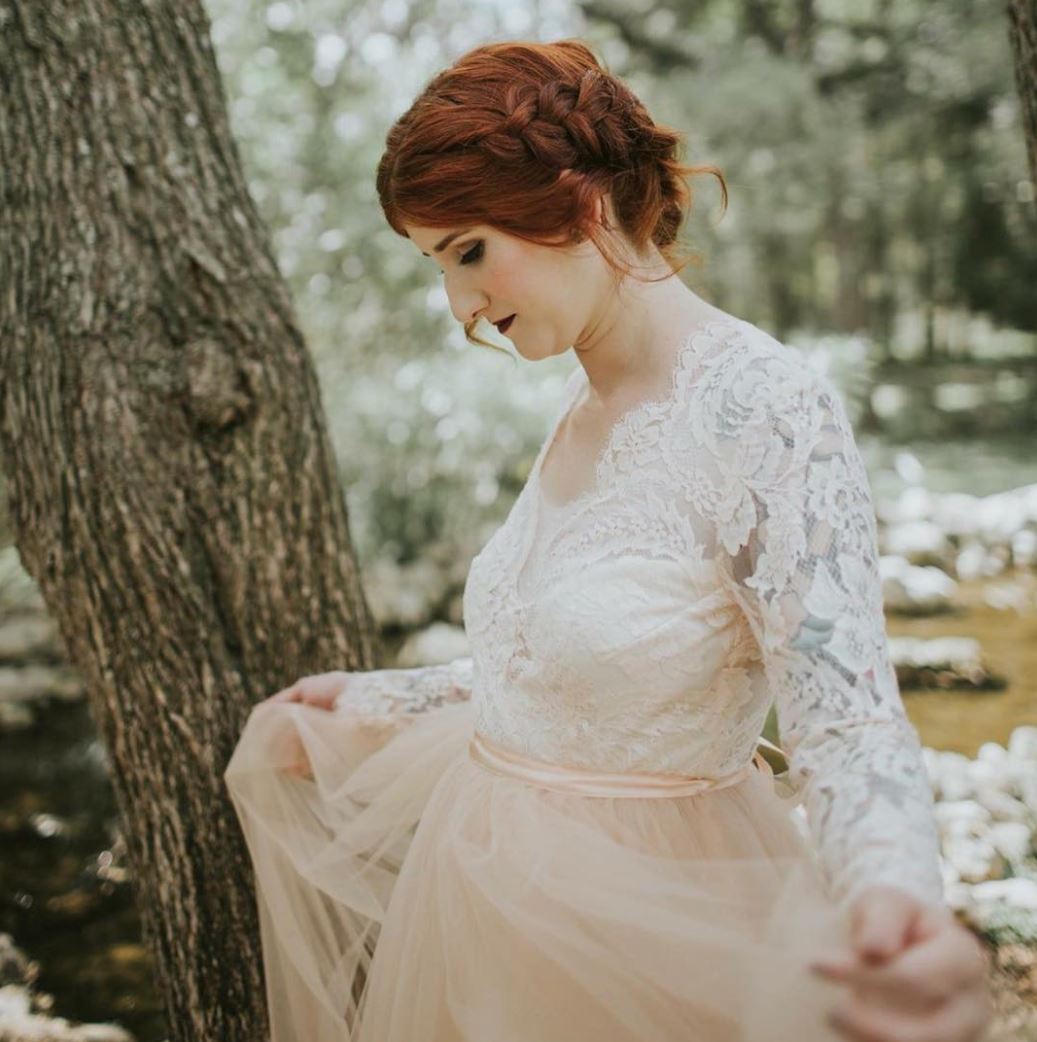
(170,477)
(1022,28)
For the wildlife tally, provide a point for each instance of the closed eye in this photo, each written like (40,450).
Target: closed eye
(473,254)
(471,257)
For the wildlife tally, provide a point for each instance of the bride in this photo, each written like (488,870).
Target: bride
(573,834)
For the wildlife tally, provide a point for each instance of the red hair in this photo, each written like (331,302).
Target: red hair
(489,138)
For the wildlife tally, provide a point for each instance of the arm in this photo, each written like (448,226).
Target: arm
(413,690)
(799,549)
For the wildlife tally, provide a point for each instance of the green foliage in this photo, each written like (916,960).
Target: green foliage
(873,150)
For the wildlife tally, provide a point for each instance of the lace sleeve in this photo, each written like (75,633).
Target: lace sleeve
(798,547)
(413,690)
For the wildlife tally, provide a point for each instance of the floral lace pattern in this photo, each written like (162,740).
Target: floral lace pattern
(414,690)
(725,559)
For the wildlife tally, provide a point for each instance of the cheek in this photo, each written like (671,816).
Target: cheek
(526,288)
(507,285)
(516,277)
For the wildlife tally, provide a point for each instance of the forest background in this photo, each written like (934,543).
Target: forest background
(882,218)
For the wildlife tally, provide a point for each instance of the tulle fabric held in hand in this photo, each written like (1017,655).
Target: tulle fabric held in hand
(507,910)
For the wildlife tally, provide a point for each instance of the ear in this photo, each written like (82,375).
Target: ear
(602,209)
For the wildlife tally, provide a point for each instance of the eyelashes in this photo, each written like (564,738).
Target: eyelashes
(473,255)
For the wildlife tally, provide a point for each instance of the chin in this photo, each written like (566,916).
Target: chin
(539,356)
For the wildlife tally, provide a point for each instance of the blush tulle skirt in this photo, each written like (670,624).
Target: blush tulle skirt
(426,885)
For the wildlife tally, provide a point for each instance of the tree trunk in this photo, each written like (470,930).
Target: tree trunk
(1022,22)
(171,482)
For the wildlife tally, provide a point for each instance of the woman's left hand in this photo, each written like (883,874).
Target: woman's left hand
(919,975)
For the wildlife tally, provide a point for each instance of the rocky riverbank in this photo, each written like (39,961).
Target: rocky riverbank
(26,1013)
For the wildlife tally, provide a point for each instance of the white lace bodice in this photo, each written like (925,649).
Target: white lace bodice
(726,558)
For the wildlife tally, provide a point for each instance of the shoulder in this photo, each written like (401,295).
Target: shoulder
(765,436)
(743,384)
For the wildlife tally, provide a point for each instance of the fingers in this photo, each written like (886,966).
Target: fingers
(882,920)
(927,972)
(288,694)
(289,755)
(299,769)
(930,921)
(320,691)
(960,1019)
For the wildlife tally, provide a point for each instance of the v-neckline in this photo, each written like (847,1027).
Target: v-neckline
(625,420)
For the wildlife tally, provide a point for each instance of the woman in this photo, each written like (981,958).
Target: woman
(571,835)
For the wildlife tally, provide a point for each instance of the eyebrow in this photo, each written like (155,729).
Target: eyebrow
(444,243)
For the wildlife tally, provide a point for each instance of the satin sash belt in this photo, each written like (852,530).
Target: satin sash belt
(580,781)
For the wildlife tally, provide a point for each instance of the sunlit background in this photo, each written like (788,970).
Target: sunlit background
(881,219)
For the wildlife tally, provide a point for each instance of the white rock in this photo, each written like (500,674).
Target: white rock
(1017,892)
(912,589)
(958,653)
(975,859)
(1026,786)
(19,1024)
(439,643)
(962,818)
(1001,515)
(909,467)
(956,514)
(931,758)
(954,776)
(1003,806)
(996,561)
(970,561)
(1022,743)
(960,657)
(915,504)
(1024,548)
(948,872)
(987,776)
(26,636)
(18,590)
(1013,839)
(15,1001)
(992,752)
(36,681)
(959,896)
(918,541)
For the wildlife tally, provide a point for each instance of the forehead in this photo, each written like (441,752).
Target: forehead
(434,240)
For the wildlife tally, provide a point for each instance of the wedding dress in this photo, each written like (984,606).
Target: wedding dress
(571,835)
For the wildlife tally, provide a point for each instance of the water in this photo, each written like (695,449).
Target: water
(64,895)
(980,468)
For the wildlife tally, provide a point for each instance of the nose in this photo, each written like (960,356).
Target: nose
(466,305)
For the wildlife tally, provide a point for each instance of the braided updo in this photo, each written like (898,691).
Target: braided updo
(525,137)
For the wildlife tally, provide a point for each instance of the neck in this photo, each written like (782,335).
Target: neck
(629,351)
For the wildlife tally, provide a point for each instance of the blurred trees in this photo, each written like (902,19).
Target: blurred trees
(1022,16)
(875,151)
(879,192)
(880,178)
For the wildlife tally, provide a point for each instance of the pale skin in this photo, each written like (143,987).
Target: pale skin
(915,974)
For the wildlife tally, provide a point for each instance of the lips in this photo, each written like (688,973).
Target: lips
(504,324)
